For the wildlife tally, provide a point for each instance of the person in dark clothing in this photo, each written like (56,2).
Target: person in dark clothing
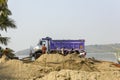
(6,51)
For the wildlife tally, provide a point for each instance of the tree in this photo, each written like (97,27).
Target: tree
(5,21)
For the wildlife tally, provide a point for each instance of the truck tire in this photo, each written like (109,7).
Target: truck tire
(37,54)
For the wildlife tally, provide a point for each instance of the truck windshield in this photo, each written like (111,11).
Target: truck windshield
(43,42)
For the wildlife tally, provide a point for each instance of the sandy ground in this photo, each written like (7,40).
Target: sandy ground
(58,67)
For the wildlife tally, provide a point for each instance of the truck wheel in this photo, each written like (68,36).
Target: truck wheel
(37,54)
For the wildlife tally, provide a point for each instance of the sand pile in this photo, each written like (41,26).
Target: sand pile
(16,69)
(58,67)
(51,58)
(57,57)
(71,61)
(81,75)
(4,59)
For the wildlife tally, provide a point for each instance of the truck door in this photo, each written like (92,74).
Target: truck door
(45,42)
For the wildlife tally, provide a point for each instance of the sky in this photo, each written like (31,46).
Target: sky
(96,21)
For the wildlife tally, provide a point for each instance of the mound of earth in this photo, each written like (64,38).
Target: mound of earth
(3,59)
(81,75)
(58,67)
(50,58)
(58,58)
(72,62)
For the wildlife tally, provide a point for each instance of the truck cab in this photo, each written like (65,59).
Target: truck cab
(38,48)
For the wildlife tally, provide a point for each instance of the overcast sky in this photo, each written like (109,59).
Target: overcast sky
(96,21)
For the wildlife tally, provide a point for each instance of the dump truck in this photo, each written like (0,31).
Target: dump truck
(57,45)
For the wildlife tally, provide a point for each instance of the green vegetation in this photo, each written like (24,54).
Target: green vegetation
(8,52)
(5,21)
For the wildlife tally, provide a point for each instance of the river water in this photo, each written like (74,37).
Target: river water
(103,56)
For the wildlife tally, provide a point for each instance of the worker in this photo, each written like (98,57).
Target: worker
(44,49)
(83,54)
(6,52)
(62,50)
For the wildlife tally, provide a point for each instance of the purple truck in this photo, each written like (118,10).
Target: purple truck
(57,45)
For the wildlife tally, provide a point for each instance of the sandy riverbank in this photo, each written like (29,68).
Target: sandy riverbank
(58,67)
